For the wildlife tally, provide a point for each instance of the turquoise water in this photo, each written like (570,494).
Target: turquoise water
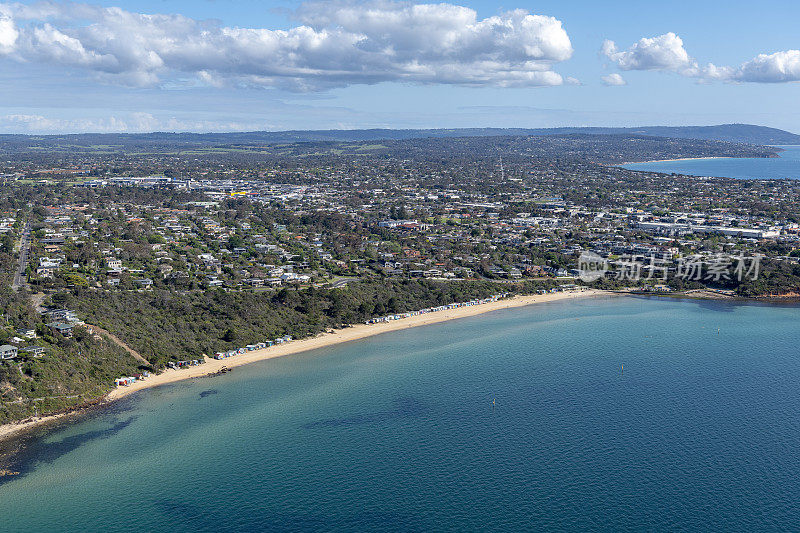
(397,432)
(785,166)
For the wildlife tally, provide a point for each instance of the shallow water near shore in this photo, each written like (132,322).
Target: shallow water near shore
(787,165)
(398,431)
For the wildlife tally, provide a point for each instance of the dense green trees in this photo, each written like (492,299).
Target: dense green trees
(167,325)
(775,278)
(72,370)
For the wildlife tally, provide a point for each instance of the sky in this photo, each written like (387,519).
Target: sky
(244,65)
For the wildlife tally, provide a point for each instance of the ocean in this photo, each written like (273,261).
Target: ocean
(785,166)
(611,413)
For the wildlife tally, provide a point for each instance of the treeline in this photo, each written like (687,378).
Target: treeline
(775,278)
(71,372)
(166,325)
(17,196)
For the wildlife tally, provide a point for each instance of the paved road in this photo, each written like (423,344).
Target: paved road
(24,251)
(338,284)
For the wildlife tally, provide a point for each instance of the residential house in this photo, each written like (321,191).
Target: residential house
(8,352)
(63,315)
(62,327)
(28,333)
(35,351)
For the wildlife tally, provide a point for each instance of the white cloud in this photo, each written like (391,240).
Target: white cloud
(338,44)
(771,68)
(8,32)
(130,123)
(667,53)
(613,79)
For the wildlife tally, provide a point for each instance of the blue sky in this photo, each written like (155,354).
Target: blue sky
(221,66)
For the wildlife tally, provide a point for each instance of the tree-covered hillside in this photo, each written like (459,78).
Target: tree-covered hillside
(166,325)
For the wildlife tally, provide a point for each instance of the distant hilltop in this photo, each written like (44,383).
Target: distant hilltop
(737,133)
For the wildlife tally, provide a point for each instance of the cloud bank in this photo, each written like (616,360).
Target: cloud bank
(127,123)
(613,80)
(336,45)
(667,53)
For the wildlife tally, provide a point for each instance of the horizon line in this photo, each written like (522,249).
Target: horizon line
(398,129)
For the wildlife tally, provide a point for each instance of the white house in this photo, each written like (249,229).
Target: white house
(8,352)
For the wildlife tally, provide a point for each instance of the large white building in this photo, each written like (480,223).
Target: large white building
(670,228)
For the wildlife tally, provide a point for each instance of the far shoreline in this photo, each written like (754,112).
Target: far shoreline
(322,340)
(779,147)
(677,159)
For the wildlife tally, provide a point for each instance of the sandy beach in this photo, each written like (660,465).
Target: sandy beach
(322,340)
(668,160)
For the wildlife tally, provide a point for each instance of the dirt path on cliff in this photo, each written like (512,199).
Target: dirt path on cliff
(120,342)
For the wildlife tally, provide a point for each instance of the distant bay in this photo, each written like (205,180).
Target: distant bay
(521,419)
(785,166)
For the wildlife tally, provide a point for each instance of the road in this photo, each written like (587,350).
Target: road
(341,282)
(24,252)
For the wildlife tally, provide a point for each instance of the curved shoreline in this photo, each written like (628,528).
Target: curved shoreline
(681,159)
(322,340)
(775,156)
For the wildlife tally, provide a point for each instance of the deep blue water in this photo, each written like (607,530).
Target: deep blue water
(397,432)
(785,166)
